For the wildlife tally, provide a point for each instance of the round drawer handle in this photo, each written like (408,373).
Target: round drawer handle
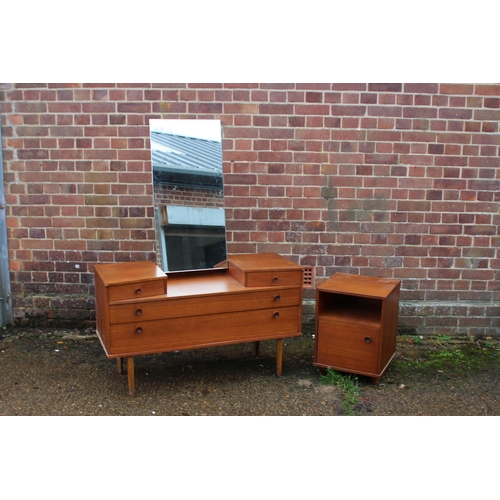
(278,297)
(368,340)
(138,329)
(276,314)
(138,291)
(275,279)
(138,312)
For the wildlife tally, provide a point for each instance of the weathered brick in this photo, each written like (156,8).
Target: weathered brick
(455,88)
(419,112)
(493,89)
(421,88)
(381,158)
(393,111)
(385,87)
(348,110)
(398,173)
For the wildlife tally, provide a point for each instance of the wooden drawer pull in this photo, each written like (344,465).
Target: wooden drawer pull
(368,340)
(138,312)
(275,279)
(276,314)
(278,297)
(138,291)
(138,329)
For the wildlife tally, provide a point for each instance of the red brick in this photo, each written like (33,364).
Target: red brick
(487,114)
(486,139)
(312,109)
(493,89)
(347,110)
(314,97)
(491,127)
(455,113)
(421,88)
(385,87)
(454,88)
(419,112)
(349,86)
(132,107)
(454,138)
(418,136)
(394,111)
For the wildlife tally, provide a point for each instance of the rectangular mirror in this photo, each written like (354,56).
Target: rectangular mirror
(188,194)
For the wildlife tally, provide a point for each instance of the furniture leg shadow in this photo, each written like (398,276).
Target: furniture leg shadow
(131,375)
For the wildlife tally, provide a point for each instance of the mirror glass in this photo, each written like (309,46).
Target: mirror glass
(188,194)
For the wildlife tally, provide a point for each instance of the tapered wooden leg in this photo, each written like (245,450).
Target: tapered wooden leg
(279,356)
(257,347)
(131,375)
(119,365)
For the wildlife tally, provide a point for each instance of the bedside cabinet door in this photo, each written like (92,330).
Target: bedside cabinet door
(347,346)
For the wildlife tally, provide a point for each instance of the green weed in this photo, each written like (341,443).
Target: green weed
(349,386)
(443,337)
(411,339)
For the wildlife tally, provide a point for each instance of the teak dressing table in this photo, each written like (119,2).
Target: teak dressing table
(141,310)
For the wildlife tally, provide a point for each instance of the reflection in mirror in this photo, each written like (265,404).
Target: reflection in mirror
(188,194)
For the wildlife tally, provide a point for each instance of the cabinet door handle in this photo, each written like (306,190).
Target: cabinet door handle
(138,312)
(278,297)
(138,329)
(368,340)
(276,314)
(138,291)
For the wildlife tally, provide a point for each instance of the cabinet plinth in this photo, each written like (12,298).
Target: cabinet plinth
(141,310)
(356,324)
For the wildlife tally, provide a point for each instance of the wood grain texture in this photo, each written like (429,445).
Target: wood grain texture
(359,286)
(356,324)
(201,305)
(203,331)
(265,269)
(197,309)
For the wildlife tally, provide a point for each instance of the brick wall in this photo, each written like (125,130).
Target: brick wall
(392,180)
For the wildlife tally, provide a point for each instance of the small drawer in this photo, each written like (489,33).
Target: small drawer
(137,290)
(274,278)
(149,310)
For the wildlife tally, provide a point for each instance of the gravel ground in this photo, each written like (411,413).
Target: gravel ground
(65,372)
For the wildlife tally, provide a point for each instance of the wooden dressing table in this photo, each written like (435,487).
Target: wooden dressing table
(141,310)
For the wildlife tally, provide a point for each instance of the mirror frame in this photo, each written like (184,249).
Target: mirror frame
(188,194)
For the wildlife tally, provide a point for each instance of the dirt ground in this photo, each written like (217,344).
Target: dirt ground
(65,372)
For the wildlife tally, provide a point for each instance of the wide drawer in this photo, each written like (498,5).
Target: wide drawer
(146,337)
(203,305)
(347,346)
(273,278)
(137,290)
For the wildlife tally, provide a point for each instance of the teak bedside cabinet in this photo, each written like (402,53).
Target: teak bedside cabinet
(141,310)
(356,324)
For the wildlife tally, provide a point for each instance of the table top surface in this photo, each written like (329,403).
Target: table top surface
(364,286)
(128,272)
(263,262)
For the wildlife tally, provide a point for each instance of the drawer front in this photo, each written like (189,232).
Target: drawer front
(137,290)
(202,331)
(347,346)
(274,278)
(195,306)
